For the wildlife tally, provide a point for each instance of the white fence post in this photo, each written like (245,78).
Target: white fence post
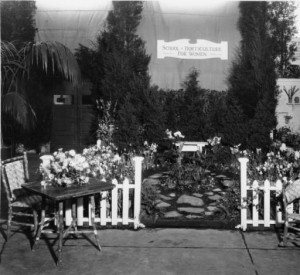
(80,211)
(68,212)
(103,209)
(267,203)
(137,191)
(125,201)
(114,204)
(243,162)
(278,207)
(255,201)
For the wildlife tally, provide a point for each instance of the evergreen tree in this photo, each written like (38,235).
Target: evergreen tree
(17,22)
(282,30)
(252,80)
(234,130)
(118,68)
(121,52)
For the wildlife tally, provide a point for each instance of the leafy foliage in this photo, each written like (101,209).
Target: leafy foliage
(282,30)
(17,22)
(252,80)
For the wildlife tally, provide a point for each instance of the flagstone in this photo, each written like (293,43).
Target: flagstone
(197,195)
(191,210)
(212,208)
(163,205)
(228,183)
(156,176)
(151,181)
(208,213)
(217,190)
(221,176)
(172,214)
(172,195)
(163,197)
(215,197)
(190,200)
(209,193)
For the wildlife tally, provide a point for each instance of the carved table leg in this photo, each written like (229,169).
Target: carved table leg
(41,225)
(60,231)
(93,222)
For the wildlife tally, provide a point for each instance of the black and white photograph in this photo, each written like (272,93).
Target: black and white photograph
(150,137)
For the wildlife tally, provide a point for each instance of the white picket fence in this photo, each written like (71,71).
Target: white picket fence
(109,213)
(252,217)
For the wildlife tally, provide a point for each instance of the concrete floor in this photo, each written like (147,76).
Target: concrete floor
(154,251)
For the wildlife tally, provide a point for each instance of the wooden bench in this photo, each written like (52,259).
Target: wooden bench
(192,146)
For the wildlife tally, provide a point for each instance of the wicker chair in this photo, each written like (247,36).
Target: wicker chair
(22,207)
(291,220)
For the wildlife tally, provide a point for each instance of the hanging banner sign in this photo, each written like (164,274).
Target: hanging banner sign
(183,49)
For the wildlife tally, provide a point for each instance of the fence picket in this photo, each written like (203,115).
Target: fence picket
(278,207)
(68,212)
(103,210)
(137,191)
(255,200)
(114,204)
(125,200)
(243,180)
(267,203)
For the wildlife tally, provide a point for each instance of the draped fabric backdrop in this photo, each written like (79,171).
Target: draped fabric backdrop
(74,22)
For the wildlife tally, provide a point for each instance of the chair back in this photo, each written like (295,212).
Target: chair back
(14,172)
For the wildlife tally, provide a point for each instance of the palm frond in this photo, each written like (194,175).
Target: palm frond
(8,51)
(15,105)
(54,54)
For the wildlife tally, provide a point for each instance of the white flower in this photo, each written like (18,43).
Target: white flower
(282,147)
(169,134)
(178,134)
(72,153)
(297,154)
(116,158)
(99,143)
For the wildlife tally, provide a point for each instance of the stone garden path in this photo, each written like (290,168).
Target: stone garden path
(194,206)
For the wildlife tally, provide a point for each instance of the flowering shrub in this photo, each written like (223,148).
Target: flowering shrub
(106,164)
(149,154)
(106,120)
(280,164)
(64,168)
(99,161)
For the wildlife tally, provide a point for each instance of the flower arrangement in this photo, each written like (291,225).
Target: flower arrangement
(64,168)
(106,164)
(98,161)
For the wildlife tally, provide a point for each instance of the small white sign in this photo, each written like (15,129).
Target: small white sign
(184,49)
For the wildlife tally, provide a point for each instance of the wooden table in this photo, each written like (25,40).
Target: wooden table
(61,194)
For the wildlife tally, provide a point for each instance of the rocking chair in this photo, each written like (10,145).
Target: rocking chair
(291,220)
(21,205)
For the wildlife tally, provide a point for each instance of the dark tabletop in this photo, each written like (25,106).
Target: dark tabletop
(63,193)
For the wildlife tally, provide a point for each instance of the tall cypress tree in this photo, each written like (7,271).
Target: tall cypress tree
(122,53)
(252,80)
(118,68)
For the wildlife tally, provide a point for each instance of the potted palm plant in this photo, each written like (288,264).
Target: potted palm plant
(16,66)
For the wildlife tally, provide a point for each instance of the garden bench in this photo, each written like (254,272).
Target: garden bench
(191,146)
